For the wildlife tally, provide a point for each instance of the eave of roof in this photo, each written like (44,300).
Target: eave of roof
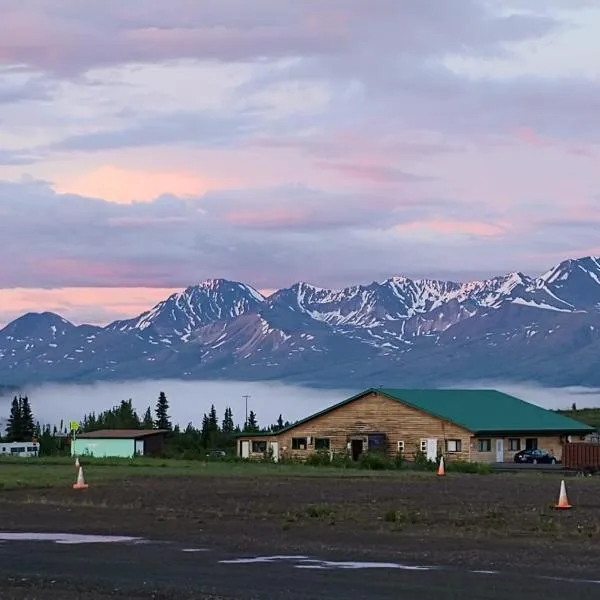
(119,434)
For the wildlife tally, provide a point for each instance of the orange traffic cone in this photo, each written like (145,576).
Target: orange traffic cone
(77,463)
(441,471)
(563,501)
(81,484)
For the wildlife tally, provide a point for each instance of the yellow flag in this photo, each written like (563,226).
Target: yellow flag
(74,425)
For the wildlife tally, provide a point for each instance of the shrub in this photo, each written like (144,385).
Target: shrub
(422,463)
(398,461)
(342,460)
(373,461)
(320,458)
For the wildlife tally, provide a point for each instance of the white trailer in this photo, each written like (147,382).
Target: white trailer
(23,449)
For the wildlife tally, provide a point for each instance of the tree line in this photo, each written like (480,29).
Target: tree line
(213,433)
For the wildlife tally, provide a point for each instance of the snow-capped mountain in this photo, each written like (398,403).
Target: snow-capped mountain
(184,312)
(399,331)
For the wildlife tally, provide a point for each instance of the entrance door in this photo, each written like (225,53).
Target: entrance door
(499,451)
(432,449)
(139,447)
(275,450)
(357,449)
(245,449)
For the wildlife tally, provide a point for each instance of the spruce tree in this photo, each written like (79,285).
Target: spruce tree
(162,412)
(212,419)
(148,422)
(27,423)
(14,429)
(280,422)
(205,432)
(228,425)
(252,422)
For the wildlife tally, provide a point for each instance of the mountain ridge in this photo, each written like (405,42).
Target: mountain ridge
(409,332)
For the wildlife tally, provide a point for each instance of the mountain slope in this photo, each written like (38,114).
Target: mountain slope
(400,331)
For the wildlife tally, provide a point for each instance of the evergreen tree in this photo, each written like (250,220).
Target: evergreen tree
(280,422)
(14,429)
(252,424)
(27,423)
(228,425)
(148,422)
(212,419)
(162,413)
(205,432)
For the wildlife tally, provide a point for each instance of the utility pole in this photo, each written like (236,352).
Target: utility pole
(246,399)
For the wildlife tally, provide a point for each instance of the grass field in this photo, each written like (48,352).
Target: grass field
(48,472)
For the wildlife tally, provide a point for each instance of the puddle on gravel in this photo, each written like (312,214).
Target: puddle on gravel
(67,538)
(304,562)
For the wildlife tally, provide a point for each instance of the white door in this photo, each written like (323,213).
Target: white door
(432,449)
(275,450)
(245,449)
(139,447)
(499,451)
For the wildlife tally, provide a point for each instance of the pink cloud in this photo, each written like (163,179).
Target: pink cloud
(97,306)
(370,171)
(530,137)
(127,185)
(260,217)
(453,228)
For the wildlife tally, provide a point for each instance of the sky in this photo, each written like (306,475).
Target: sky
(146,146)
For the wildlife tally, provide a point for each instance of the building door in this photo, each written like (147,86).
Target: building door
(499,451)
(432,449)
(275,451)
(356,448)
(139,447)
(245,449)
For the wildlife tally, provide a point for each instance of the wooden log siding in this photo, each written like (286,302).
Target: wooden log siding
(376,413)
(552,444)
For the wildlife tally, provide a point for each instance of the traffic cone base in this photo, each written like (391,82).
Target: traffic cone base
(441,470)
(563,501)
(81,484)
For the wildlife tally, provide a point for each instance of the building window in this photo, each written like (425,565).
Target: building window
(424,446)
(259,447)
(531,444)
(321,443)
(453,445)
(485,445)
(401,447)
(514,444)
(299,443)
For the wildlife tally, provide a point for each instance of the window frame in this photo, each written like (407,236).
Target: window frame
(484,441)
(297,443)
(458,446)
(258,443)
(319,446)
(511,447)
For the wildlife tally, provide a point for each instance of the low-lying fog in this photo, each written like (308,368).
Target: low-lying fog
(190,400)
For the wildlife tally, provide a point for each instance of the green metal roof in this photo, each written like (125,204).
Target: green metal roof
(479,411)
(487,411)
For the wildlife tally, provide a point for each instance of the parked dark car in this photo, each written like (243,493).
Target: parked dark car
(535,457)
(216,454)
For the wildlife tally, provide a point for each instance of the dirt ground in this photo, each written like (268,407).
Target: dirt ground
(469,520)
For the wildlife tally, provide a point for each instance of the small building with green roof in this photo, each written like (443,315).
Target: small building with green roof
(461,424)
